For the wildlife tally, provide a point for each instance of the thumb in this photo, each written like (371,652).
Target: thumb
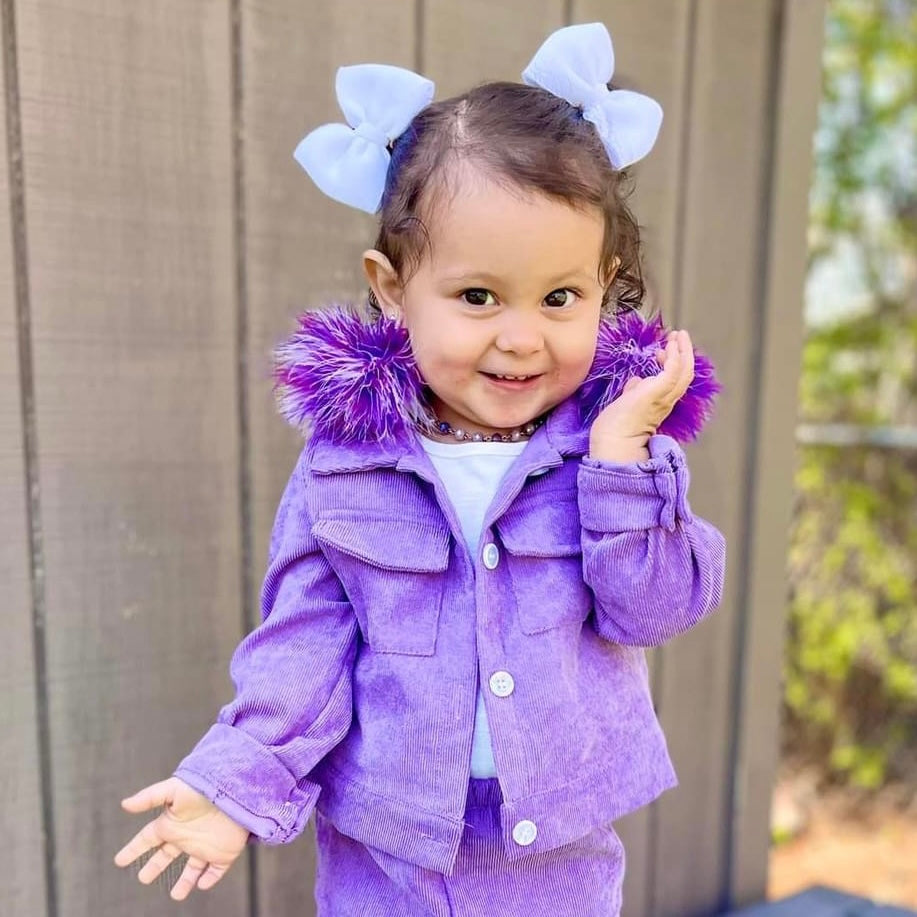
(631,382)
(156,794)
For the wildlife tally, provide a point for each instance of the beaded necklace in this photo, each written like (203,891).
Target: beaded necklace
(514,436)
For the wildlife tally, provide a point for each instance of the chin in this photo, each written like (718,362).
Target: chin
(511,420)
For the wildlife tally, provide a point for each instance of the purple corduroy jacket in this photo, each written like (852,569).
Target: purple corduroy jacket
(357,692)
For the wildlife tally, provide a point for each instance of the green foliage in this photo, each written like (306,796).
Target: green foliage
(851,670)
(851,662)
(780,836)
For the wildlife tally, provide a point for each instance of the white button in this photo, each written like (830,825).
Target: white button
(491,556)
(502,684)
(525,832)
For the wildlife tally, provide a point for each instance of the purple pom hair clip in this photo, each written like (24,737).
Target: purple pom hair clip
(628,347)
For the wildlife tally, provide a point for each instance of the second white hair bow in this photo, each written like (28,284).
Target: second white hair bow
(350,163)
(576,64)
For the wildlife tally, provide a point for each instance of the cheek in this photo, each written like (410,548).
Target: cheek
(441,350)
(575,357)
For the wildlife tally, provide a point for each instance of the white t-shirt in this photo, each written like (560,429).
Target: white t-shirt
(471,474)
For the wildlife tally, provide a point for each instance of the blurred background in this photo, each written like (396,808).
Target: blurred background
(846,807)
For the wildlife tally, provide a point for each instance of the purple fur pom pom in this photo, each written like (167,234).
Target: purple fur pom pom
(627,347)
(354,380)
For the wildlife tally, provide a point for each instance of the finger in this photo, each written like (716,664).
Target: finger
(664,348)
(212,876)
(156,794)
(188,879)
(687,359)
(631,383)
(671,366)
(147,838)
(668,385)
(157,863)
(685,347)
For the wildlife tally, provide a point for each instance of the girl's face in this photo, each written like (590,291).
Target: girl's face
(503,312)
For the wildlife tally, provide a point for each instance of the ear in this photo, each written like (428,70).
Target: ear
(384,281)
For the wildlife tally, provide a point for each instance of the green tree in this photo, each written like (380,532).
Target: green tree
(851,660)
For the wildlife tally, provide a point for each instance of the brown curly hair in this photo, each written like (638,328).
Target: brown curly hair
(527,138)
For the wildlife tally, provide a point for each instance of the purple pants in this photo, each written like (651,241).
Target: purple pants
(582,878)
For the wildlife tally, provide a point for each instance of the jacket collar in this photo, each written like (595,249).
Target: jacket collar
(563,435)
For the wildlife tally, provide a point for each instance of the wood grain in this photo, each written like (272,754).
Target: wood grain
(23,885)
(127,158)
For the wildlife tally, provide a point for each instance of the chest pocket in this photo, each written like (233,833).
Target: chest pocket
(393,573)
(546,562)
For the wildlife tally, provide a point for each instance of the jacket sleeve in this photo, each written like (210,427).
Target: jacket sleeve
(293,679)
(654,568)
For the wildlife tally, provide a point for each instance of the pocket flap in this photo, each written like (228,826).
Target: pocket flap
(404,544)
(548,529)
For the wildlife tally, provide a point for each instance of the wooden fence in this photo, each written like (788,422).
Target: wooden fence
(161,238)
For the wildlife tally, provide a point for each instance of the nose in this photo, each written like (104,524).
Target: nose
(520,333)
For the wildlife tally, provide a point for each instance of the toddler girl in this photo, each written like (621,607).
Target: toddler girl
(487,526)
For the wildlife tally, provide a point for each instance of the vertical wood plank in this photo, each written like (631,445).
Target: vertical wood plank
(719,290)
(761,649)
(651,42)
(22,888)
(300,250)
(477,41)
(652,56)
(127,157)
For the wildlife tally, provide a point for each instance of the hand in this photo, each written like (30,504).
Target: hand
(622,430)
(189,824)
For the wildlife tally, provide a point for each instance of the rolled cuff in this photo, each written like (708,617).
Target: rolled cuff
(634,496)
(244,779)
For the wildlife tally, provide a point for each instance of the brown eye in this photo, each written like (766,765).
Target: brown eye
(559,298)
(477,297)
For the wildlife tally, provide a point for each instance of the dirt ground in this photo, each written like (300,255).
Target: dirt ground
(865,847)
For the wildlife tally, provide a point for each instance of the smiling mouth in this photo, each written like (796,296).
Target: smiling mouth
(508,384)
(509,378)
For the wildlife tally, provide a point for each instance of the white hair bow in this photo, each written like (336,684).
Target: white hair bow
(349,163)
(576,64)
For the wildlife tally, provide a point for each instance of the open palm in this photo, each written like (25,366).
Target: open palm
(189,824)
